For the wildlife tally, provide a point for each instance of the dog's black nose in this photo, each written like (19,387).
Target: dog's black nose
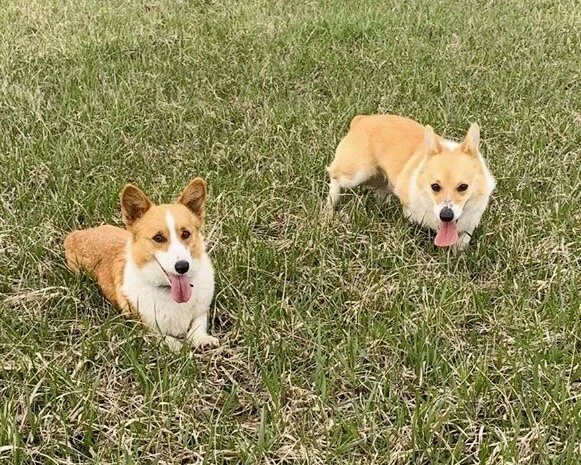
(182,266)
(446,214)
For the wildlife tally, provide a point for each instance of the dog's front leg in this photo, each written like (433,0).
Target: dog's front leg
(463,241)
(198,333)
(173,343)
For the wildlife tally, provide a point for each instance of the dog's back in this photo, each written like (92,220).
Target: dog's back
(100,252)
(376,144)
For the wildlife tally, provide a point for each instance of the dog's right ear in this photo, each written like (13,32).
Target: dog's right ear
(432,144)
(134,204)
(194,196)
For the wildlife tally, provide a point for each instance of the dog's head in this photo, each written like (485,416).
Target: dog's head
(451,176)
(167,243)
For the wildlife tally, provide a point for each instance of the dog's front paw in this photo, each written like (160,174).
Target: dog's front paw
(382,194)
(204,340)
(462,243)
(173,343)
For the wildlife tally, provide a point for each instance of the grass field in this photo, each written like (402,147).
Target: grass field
(354,342)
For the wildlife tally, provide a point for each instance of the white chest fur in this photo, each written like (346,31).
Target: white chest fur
(154,304)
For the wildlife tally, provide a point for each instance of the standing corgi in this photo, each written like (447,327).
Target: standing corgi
(442,184)
(156,269)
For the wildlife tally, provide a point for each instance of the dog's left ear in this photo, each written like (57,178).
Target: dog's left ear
(471,142)
(194,196)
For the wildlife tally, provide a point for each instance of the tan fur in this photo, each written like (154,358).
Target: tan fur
(101,253)
(381,144)
(449,171)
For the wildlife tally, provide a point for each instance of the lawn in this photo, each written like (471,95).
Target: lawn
(352,342)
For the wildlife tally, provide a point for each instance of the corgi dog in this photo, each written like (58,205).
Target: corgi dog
(156,269)
(442,184)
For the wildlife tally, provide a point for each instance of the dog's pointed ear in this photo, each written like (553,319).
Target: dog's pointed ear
(471,142)
(432,144)
(134,204)
(194,196)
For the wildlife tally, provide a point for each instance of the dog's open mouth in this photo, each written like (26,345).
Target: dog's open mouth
(447,235)
(180,288)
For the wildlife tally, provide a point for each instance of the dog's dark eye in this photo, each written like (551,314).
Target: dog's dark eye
(462,187)
(158,238)
(436,187)
(185,234)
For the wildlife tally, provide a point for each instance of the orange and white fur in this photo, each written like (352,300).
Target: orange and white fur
(441,184)
(157,269)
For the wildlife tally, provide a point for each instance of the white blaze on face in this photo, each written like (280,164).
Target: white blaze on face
(176,250)
(180,285)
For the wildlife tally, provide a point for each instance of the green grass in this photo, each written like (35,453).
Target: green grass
(352,342)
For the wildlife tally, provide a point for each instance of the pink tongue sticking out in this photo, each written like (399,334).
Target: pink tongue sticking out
(181,290)
(447,234)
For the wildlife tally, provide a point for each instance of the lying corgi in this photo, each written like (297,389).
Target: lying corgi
(442,184)
(156,269)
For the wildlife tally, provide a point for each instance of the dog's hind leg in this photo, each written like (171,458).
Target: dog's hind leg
(333,196)
(380,186)
(344,181)
(351,167)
